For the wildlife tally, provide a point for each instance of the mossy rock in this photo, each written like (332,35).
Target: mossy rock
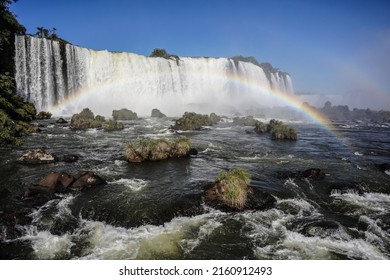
(86,119)
(194,121)
(124,114)
(157,149)
(43,115)
(156,113)
(112,125)
(247,121)
(277,129)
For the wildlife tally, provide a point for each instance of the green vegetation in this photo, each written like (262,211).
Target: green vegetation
(86,119)
(124,115)
(14,114)
(164,54)
(193,121)
(157,149)
(43,115)
(247,121)
(277,129)
(233,187)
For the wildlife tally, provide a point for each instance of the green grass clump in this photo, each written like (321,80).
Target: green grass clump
(234,187)
(157,149)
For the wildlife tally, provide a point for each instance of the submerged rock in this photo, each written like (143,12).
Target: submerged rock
(314,173)
(384,167)
(70,158)
(38,156)
(157,114)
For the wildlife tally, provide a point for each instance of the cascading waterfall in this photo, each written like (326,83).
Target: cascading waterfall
(66,78)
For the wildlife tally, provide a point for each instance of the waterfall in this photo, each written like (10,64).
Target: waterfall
(66,78)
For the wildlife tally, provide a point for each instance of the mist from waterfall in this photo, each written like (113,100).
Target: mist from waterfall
(64,78)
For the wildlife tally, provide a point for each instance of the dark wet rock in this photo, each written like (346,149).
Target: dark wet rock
(86,179)
(61,121)
(70,158)
(259,200)
(318,228)
(343,188)
(193,121)
(383,167)
(124,114)
(314,173)
(247,121)
(43,115)
(10,221)
(112,125)
(56,181)
(231,192)
(16,249)
(193,152)
(157,114)
(187,206)
(38,156)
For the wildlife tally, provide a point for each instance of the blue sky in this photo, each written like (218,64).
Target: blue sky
(328,47)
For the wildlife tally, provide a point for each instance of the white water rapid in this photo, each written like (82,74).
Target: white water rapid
(64,78)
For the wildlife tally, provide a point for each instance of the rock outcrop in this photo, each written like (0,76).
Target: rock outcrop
(158,149)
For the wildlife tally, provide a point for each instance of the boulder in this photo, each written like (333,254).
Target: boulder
(193,121)
(261,127)
(314,173)
(158,149)
(124,114)
(61,121)
(43,115)
(384,167)
(38,156)
(70,158)
(247,121)
(86,179)
(56,181)
(157,114)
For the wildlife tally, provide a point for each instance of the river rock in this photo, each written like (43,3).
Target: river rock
(61,121)
(256,199)
(43,115)
(38,156)
(314,173)
(70,158)
(86,179)
(384,167)
(124,114)
(157,114)
(56,181)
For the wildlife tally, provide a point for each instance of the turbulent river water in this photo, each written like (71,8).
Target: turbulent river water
(346,215)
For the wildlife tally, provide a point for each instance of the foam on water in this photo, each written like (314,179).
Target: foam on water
(363,204)
(132,184)
(276,237)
